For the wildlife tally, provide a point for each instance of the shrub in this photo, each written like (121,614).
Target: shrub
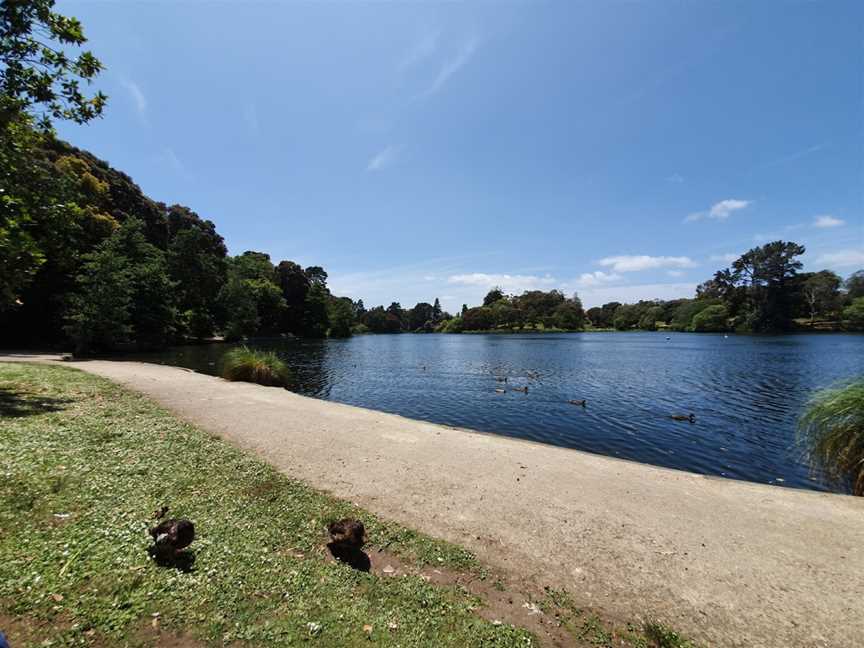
(833,426)
(711,319)
(854,313)
(252,365)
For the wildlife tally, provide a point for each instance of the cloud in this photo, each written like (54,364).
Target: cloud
(452,66)
(174,161)
(842,258)
(675,178)
(675,273)
(726,258)
(137,95)
(598,278)
(625,263)
(827,220)
(633,293)
(383,159)
(719,211)
(420,50)
(508,283)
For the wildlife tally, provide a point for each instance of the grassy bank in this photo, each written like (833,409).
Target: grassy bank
(84,465)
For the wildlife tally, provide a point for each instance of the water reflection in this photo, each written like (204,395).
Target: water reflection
(746,392)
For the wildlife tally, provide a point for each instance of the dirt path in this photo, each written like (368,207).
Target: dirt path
(729,563)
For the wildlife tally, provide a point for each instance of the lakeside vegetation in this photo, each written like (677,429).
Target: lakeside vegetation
(832,427)
(256,366)
(75,567)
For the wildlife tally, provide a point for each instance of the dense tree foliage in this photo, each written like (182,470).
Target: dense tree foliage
(86,258)
(37,73)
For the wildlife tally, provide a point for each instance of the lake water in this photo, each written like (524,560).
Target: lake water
(745,391)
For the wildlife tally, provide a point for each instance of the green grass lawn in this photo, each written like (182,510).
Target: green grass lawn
(85,463)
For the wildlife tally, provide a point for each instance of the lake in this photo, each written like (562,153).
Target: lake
(745,391)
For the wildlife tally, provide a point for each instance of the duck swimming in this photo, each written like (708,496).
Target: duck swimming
(524,389)
(684,417)
(582,402)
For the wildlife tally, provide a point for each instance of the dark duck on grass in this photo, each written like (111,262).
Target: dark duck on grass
(170,538)
(347,537)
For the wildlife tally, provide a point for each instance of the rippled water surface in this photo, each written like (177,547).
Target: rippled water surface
(745,391)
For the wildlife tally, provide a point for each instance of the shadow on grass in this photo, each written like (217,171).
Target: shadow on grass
(355,558)
(15,403)
(183,561)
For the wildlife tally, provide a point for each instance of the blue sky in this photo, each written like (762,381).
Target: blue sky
(420,150)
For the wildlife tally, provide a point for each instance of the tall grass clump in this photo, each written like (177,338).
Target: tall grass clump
(252,365)
(833,427)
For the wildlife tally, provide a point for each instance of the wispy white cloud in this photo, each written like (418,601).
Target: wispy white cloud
(725,258)
(422,49)
(250,116)
(795,155)
(173,160)
(842,258)
(827,220)
(139,100)
(633,293)
(675,273)
(452,66)
(507,282)
(597,278)
(719,211)
(638,263)
(383,159)
(675,178)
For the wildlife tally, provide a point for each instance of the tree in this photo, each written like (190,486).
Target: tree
(38,75)
(240,307)
(295,285)
(340,313)
(420,315)
(821,292)
(854,313)
(854,285)
(123,294)
(436,311)
(197,263)
(570,315)
(493,296)
(711,319)
(764,274)
(648,320)
(478,319)
(316,275)
(315,319)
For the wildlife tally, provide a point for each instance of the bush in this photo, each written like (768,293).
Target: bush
(833,426)
(251,365)
(854,313)
(711,320)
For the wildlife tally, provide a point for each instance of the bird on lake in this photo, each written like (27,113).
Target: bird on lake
(578,402)
(172,536)
(501,378)
(684,417)
(347,534)
(524,389)
(500,391)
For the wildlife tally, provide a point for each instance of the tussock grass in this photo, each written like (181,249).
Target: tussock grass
(833,427)
(255,366)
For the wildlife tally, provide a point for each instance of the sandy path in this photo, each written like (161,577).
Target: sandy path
(730,563)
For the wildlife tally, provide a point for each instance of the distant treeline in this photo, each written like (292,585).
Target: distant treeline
(88,260)
(762,291)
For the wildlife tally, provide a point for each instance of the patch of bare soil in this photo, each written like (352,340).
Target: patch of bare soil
(503,600)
